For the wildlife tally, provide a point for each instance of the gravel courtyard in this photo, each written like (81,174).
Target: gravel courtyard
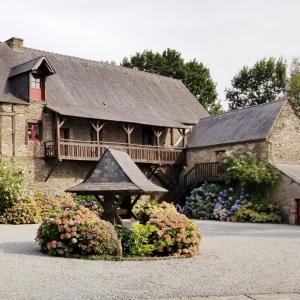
(248,261)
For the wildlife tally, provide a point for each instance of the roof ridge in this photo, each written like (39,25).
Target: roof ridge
(104,63)
(244,108)
(28,61)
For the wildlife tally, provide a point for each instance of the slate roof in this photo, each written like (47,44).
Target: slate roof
(290,170)
(116,172)
(248,124)
(31,65)
(90,89)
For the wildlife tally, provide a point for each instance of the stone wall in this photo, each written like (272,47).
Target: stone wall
(285,137)
(29,155)
(204,155)
(285,194)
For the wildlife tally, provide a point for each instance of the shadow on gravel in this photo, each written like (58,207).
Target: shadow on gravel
(25,248)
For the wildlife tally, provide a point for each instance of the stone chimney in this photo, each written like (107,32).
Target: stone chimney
(16,44)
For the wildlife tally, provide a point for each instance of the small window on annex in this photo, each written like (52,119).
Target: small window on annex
(34,131)
(220,154)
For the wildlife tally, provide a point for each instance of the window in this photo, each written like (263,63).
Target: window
(37,91)
(36,82)
(34,131)
(219,154)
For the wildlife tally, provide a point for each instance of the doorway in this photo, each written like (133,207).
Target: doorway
(297,211)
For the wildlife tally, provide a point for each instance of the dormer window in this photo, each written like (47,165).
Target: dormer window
(28,79)
(37,91)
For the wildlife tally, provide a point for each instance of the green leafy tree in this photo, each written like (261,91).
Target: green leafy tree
(193,74)
(262,83)
(293,88)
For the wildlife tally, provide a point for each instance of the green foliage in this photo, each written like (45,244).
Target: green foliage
(192,73)
(247,169)
(11,185)
(79,232)
(262,83)
(293,88)
(22,212)
(142,243)
(126,237)
(165,233)
(259,213)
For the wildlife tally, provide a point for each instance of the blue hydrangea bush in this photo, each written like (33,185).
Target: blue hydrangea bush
(213,202)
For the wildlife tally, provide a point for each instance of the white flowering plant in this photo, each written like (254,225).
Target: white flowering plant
(11,185)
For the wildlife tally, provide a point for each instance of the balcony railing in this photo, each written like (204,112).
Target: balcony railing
(212,171)
(92,151)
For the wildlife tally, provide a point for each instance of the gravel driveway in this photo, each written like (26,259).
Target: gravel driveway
(236,259)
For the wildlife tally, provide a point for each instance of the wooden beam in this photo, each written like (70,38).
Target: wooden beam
(58,136)
(97,125)
(183,134)
(172,136)
(61,123)
(13,120)
(158,132)
(128,129)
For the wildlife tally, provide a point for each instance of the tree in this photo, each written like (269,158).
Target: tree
(193,74)
(262,83)
(293,88)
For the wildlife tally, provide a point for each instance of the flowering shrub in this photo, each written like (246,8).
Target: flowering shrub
(77,232)
(247,169)
(49,203)
(143,210)
(22,212)
(211,201)
(175,234)
(11,185)
(259,213)
(166,233)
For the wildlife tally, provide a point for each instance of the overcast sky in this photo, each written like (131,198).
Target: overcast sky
(223,34)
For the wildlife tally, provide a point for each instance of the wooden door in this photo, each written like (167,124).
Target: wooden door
(298,211)
(64,133)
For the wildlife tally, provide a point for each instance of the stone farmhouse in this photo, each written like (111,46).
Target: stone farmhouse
(270,130)
(58,115)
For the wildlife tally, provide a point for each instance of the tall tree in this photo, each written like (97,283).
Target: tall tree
(193,74)
(262,83)
(293,88)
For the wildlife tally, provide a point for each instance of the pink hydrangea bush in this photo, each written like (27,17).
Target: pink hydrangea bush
(175,234)
(73,233)
(48,203)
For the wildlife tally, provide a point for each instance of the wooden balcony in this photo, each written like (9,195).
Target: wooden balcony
(213,171)
(92,151)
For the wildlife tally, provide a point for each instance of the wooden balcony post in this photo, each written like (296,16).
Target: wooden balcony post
(59,124)
(128,129)
(158,132)
(98,126)
(183,134)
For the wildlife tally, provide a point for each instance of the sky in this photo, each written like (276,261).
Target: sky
(222,34)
